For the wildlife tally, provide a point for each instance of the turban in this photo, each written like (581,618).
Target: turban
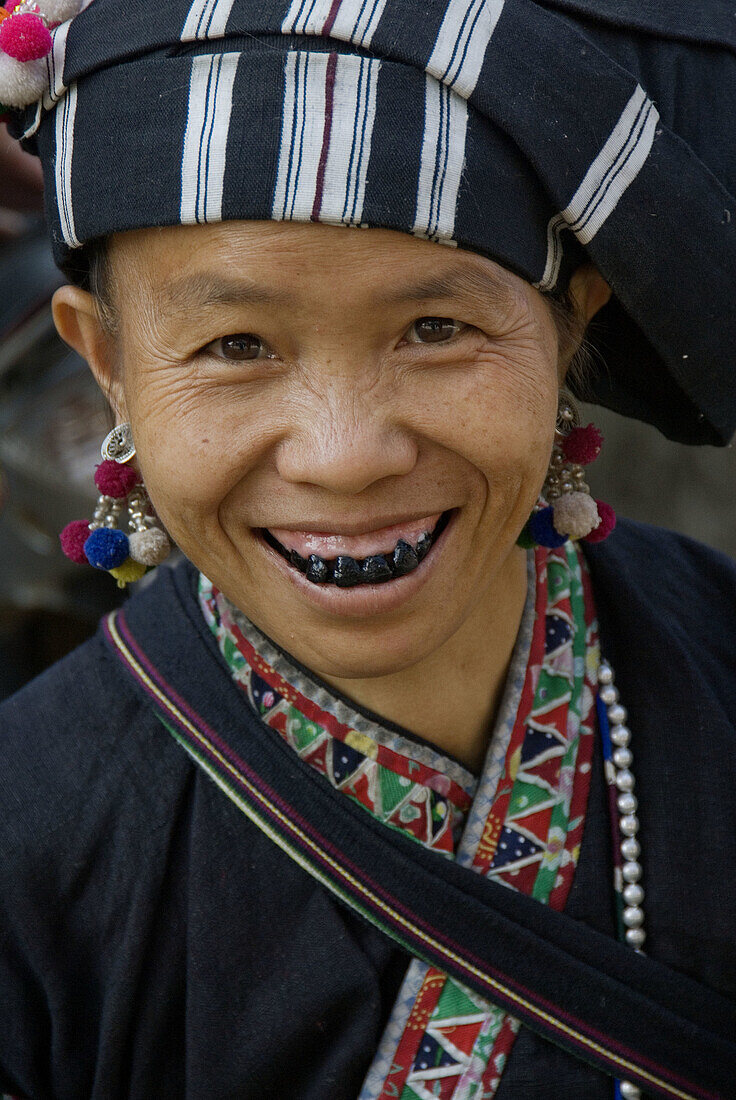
(540,134)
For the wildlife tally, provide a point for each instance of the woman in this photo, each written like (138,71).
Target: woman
(413,846)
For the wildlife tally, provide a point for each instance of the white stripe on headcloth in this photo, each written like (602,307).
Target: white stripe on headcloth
(350,20)
(66,111)
(206,19)
(453,70)
(205,138)
(462,41)
(442,160)
(326,130)
(614,169)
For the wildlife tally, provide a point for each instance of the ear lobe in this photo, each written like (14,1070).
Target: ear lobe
(78,323)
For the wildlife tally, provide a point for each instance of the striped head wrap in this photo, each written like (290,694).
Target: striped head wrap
(540,133)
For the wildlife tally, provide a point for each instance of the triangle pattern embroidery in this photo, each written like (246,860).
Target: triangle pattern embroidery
(513,846)
(461,1035)
(525,797)
(345,761)
(546,772)
(431,1055)
(262,694)
(540,744)
(558,633)
(521,879)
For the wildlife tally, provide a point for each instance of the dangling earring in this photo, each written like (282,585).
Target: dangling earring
(571,512)
(99,541)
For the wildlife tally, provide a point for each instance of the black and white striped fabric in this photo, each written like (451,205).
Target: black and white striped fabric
(540,133)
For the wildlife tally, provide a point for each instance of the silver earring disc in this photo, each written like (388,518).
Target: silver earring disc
(118,444)
(568,413)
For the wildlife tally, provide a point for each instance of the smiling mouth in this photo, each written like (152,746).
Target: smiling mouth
(347,572)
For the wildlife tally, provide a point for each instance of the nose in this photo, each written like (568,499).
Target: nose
(345,445)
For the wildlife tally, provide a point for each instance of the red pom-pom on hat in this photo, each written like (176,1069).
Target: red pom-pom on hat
(607,524)
(582,445)
(73,538)
(115,479)
(25,37)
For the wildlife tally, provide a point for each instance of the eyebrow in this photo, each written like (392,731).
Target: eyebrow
(208,289)
(464,283)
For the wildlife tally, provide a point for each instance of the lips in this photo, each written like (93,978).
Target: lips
(401,555)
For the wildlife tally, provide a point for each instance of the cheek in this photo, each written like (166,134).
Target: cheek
(195,441)
(497,411)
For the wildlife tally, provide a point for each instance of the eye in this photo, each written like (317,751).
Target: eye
(239,346)
(433,330)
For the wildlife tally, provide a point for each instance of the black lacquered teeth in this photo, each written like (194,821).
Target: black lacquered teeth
(404,558)
(346,572)
(376,569)
(318,571)
(298,561)
(424,543)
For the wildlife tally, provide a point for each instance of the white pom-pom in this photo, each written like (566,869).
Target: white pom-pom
(575,515)
(58,11)
(21,82)
(149,547)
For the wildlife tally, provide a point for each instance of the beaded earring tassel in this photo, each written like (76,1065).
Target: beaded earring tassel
(571,511)
(99,541)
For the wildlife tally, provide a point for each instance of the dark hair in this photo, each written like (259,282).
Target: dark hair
(93,274)
(571,328)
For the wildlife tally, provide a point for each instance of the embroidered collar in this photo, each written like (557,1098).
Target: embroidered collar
(521,822)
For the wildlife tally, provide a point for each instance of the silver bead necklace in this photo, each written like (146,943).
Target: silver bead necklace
(627,871)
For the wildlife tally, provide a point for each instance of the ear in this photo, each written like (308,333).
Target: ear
(78,323)
(589,290)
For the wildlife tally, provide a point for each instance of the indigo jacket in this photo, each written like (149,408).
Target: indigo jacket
(155,943)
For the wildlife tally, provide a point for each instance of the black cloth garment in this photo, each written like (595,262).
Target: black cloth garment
(539,133)
(154,942)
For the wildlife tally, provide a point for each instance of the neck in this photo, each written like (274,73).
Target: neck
(456,711)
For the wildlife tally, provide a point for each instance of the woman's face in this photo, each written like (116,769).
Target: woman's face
(309,387)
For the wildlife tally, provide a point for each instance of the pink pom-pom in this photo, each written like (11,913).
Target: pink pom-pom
(582,445)
(607,524)
(11,5)
(73,538)
(115,479)
(24,37)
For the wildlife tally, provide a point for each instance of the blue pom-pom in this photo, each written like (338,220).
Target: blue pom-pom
(106,548)
(543,531)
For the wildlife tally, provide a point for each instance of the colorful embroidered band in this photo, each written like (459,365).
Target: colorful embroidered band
(447,1041)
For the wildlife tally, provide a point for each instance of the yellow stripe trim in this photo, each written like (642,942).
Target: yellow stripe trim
(622,1063)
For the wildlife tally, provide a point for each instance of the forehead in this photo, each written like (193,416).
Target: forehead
(287,263)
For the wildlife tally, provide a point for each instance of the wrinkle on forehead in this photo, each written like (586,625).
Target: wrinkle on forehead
(266,262)
(206,289)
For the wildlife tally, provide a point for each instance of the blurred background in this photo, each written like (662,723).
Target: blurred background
(53,419)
